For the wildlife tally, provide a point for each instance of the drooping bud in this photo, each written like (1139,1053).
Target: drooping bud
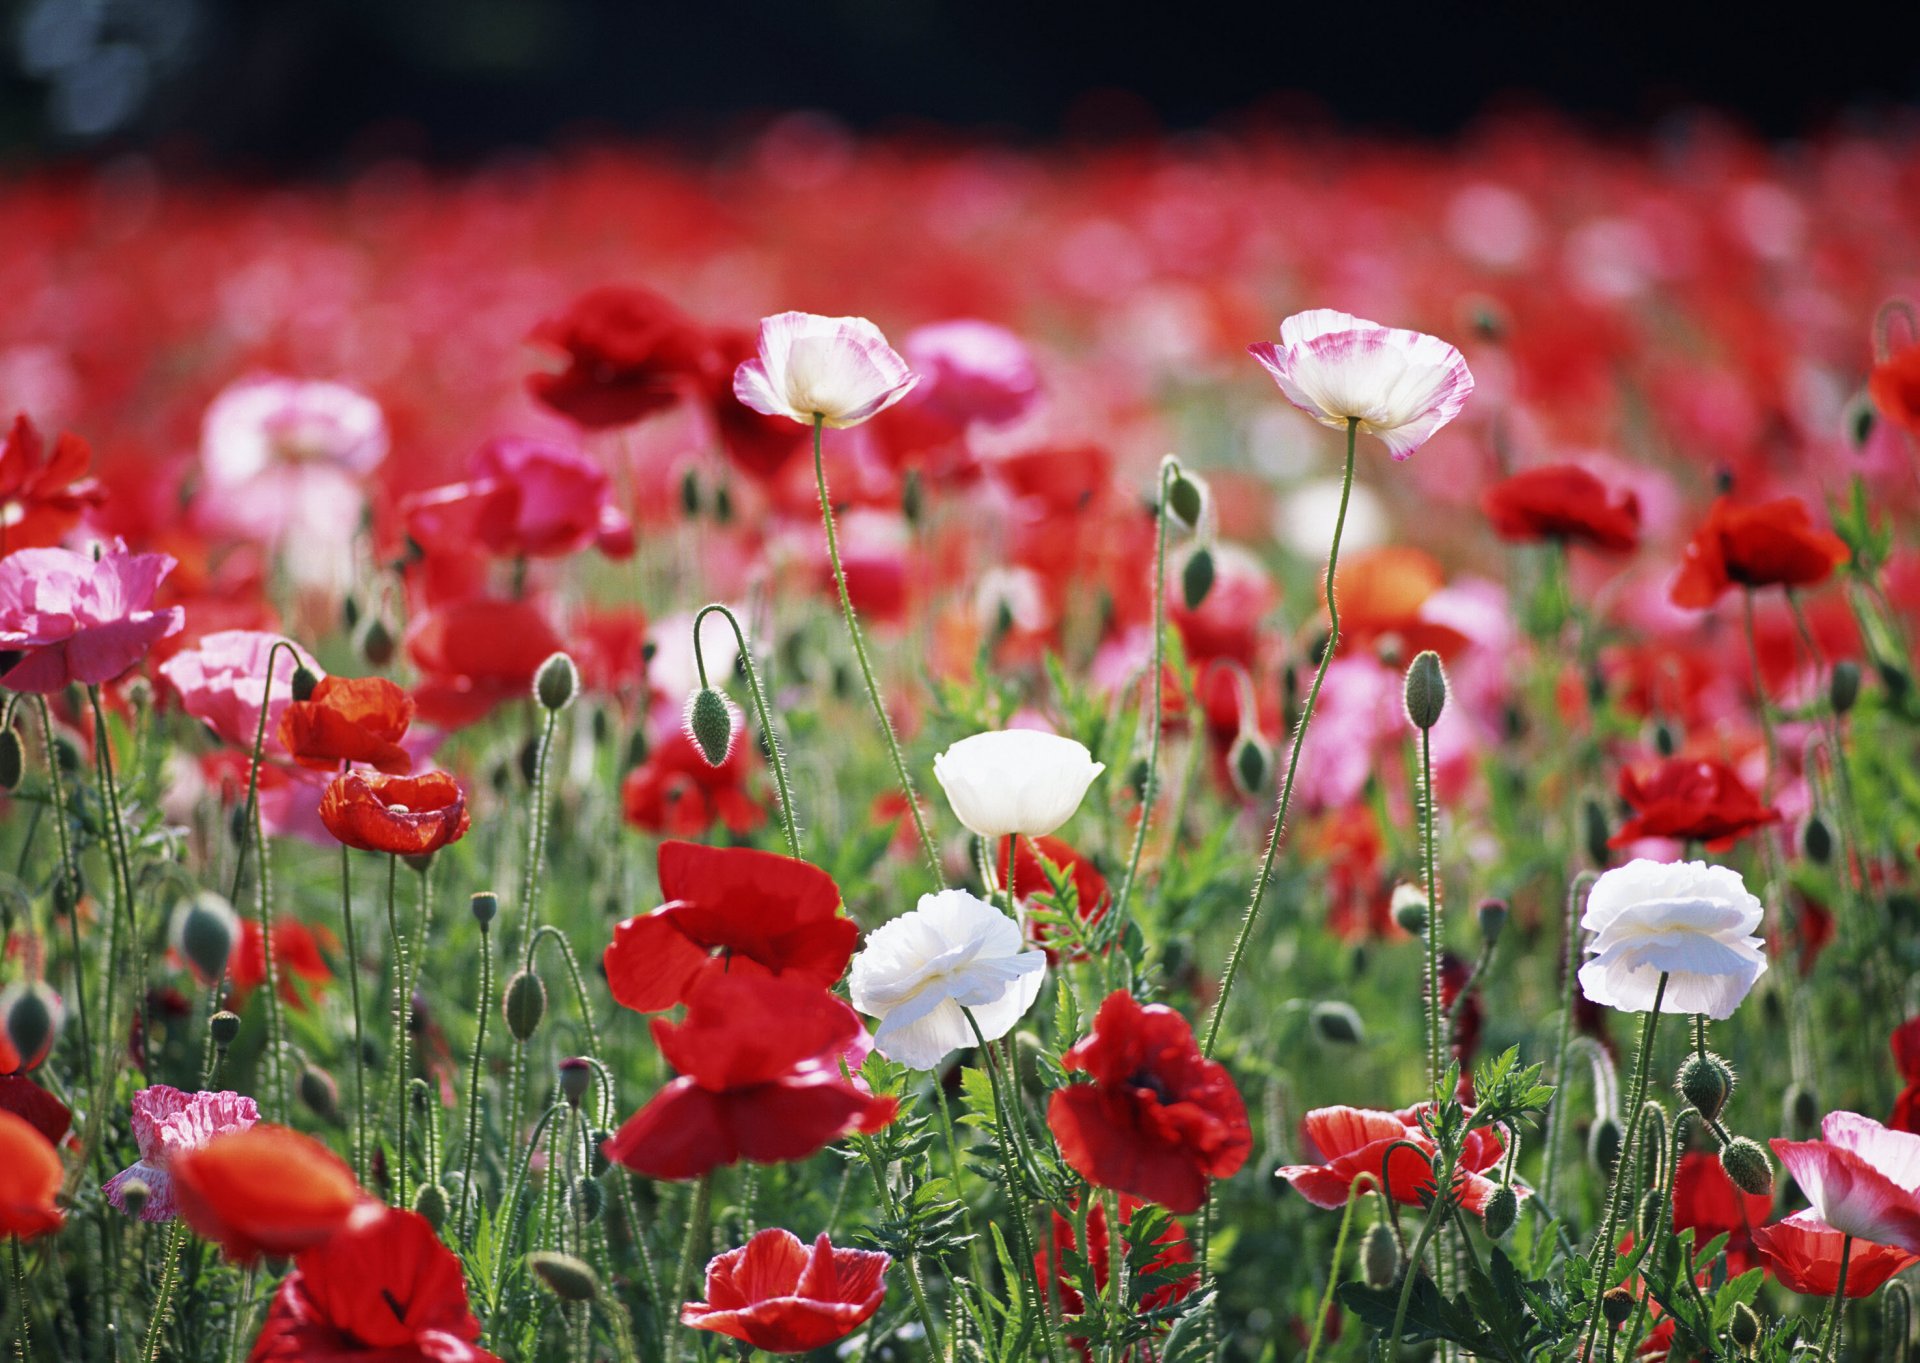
(1706,1082)
(709,721)
(1137,778)
(134,1196)
(1493,915)
(1748,1166)
(1338,1023)
(225,1028)
(526,1004)
(1251,762)
(599,1162)
(575,1074)
(376,645)
(1410,909)
(1653,1205)
(1603,1143)
(1617,1307)
(1816,840)
(589,1197)
(1503,1209)
(304,683)
(1843,687)
(205,930)
(1379,1257)
(1187,498)
(33,1014)
(557,682)
(1426,691)
(430,1201)
(13,760)
(321,1095)
(566,1277)
(1196,577)
(1744,1328)
(485,905)
(1800,1111)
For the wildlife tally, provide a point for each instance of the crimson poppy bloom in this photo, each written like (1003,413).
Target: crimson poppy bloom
(41,1110)
(1028,877)
(1562,502)
(474,655)
(628,354)
(1158,1119)
(1352,1141)
(759,1058)
(407,815)
(1174,1251)
(1803,1252)
(265,1190)
(1894,386)
(1906,1058)
(349,719)
(384,1286)
(1769,544)
(766,914)
(675,791)
(29,1179)
(1694,799)
(42,495)
(776,1294)
(1706,1200)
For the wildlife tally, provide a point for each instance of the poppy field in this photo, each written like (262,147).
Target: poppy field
(1228,749)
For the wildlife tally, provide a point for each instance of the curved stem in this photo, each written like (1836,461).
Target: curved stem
(1293,758)
(927,844)
(353,997)
(1435,1042)
(548,931)
(123,868)
(774,757)
(1169,466)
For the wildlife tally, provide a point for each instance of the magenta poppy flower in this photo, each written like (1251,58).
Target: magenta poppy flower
(220,681)
(1399,385)
(167,1123)
(839,369)
(524,498)
(80,619)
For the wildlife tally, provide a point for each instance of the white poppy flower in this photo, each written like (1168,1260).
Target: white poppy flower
(1400,385)
(1687,920)
(918,972)
(839,369)
(1010,781)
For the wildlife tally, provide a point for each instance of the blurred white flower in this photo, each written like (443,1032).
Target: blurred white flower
(839,369)
(1687,920)
(1011,781)
(1400,385)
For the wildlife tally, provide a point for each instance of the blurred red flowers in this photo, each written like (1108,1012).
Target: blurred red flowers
(1705,1200)
(407,815)
(1906,1058)
(265,1190)
(349,719)
(1352,1141)
(1894,387)
(1695,799)
(1174,1251)
(1029,878)
(674,791)
(475,654)
(522,499)
(1562,502)
(1158,1119)
(765,914)
(42,495)
(628,352)
(776,1294)
(1770,544)
(29,1179)
(296,957)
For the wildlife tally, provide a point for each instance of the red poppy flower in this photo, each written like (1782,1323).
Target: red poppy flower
(1770,544)
(522,499)
(296,957)
(42,1111)
(265,1190)
(628,354)
(406,815)
(1158,1119)
(1562,502)
(1029,878)
(766,914)
(756,444)
(384,1286)
(675,792)
(42,496)
(29,1179)
(1174,1251)
(1906,1057)
(776,1294)
(349,719)
(1803,1252)
(1894,386)
(1352,1141)
(1705,1199)
(475,654)
(1694,799)
(759,1059)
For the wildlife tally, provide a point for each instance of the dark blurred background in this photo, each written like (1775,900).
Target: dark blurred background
(282,86)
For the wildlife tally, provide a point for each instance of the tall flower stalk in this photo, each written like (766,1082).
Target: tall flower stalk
(775,758)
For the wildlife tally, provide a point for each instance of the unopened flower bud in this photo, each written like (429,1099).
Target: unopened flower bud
(557,682)
(1747,1165)
(376,645)
(33,1014)
(205,930)
(1860,420)
(1816,840)
(1196,577)
(1338,1023)
(1665,741)
(1503,1208)
(1744,1328)
(1843,687)
(1426,690)
(690,493)
(13,760)
(1379,1257)
(1603,1144)
(1595,833)
(723,504)
(1617,1307)
(709,721)
(304,683)
(575,1074)
(134,1195)
(566,1277)
(526,1004)
(589,1198)
(1493,915)
(1800,1111)
(430,1201)
(1251,762)
(320,1094)
(1410,909)
(1187,498)
(225,1027)
(485,905)
(1652,1207)
(599,1162)
(1706,1082)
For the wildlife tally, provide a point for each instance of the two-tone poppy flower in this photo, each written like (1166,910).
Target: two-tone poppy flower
(1562,502)
(1862,1178)
(761,913)
(839,371)
(1693,799)
(265,1190)
(1351,1141)
(1401,386)
(1803,1253)
(625,354)
(349,719)
(1156,1118)
(1768,544)
(29,1179)
(167,1123)
(778,1294)
(406,815)
(759,1059)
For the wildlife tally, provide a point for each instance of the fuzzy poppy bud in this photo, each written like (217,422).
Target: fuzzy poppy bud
(485,905)
(1800,1111)
(1492,916)
(1503,1208)
(690,493)
(33,1015)
(1706,1082)
(709,721)
(1196,578)
(1338,1023)
(1860,419)
(1410,909)
(1665,741)
(134,1195)
(1617,1307)
(589,1198)
(1251,762)
(1187,499)
(1379,1257)
(1747,1166)
(376,645)
(575,1075)
(598,1163)
(1744,1328)
(1652,1207)
(526,1004)
(304,683)
(66,893)
(205,930)
(557,682)
(1816,840)
(913,497)
(1426,692)
(1603,1143)
(430,1201)
(1843,687)
(13,760)
(225,1027)
(565,1276)
(320,1094)
(1137,779)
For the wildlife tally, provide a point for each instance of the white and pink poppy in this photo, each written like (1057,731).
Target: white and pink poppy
(167,1123)
(839,370)
(1401,386)
(1862,1178)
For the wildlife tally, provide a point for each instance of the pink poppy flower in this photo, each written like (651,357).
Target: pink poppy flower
(973,371)
(220,681)
(524,498)
(78,618)
(166,1123)
(839,369)
(1862,1178)
(1401,385)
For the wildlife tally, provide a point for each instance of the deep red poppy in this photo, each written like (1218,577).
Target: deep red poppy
(676,792)
(1769,544)
(1894,386)
(755,443)
(628,353)
(29,1179)
(1562,502)
(759,1058)
(1158,1119)
(1352,1141)
(406,815)
(42,1111)
(1694,799)
(265,1190)
(764,914)
(778,1295)
(1906,1058)
(1705,1199)
(1174,1251)
(42,495)
(349,719)
(476,654)
(1030,878)
(1803,1252)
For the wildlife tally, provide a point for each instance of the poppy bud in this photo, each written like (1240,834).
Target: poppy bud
(320,1094)
(589,1197)
(1800,1111)
(1652,1205)
(913,497)
(225,1027)
(1137,778)
(565,1276)
(33,1014)
(1706,1082)
(575,1075)
(484,904)
(1493,919)
(557,682)
(204,931)
(1503,1208)
(134,1194)
(599,1163)
(1379,1257)
(1603,1144)
(1894,677)
(1816,840)
(1747,1165)
(526,1004)
(709,721)
(376,645)
(1338,1023)
(1426,692)
(1595,832)
(1617,1307)
(1744,1328)
(1251,762)
(1196,578)
(690,493)
(430,1201)
(13,760)
(1860,419)
(1410,909)
(1187,499)
(1843,687)
(304,683)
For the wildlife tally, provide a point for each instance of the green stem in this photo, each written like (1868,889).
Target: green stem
(1623,1171)
(1412,1269)
(1169,467)
(469,1201)
(927,844)
(1355,1192)
(163,1299)
(789,825)
(1760,693)
(1293,759)
(23,1338)
(402,1006)
(353,998)
(70,880)
(536,840)
(123,868)
(254,823)
(1435,1041)
(890,1210)
(1831,1350)
(689,1251)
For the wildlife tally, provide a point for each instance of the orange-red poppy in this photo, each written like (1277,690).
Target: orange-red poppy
(265,1190)
(408,815)
(349,719)
(29,1178)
